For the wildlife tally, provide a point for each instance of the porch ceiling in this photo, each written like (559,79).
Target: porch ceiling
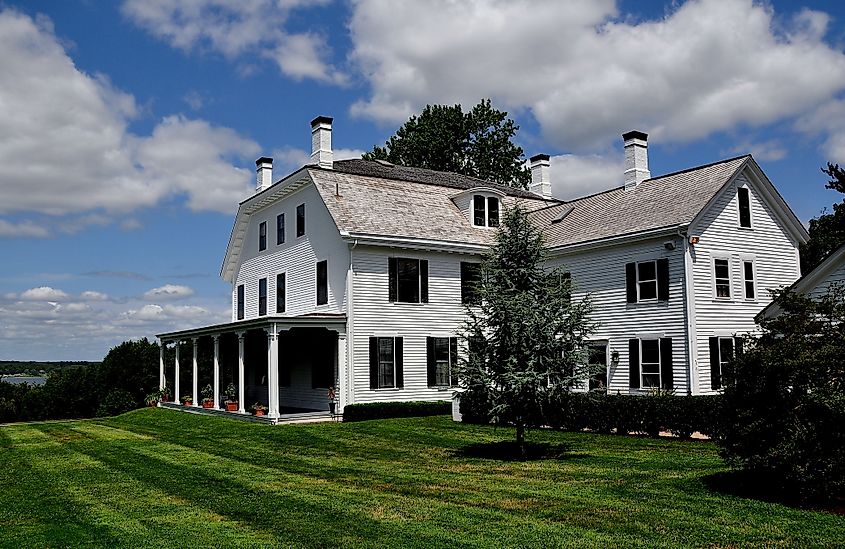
(336,322)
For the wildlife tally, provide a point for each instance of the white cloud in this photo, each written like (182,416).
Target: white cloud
(44,293)
(827,121)
(588,73)
(292,158)
(169,291)
(239,29)
(575,176)
(91,295)
(65,148)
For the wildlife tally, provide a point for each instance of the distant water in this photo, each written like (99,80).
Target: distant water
(32,380)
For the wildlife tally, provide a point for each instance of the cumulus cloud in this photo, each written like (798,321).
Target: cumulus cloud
(587,72)
(169,291)
(91,295)
(65,149)
(239,29)
(575,176)
(44,293)
(292,158)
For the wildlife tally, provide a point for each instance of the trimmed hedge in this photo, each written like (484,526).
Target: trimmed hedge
(605,413)
(385,410)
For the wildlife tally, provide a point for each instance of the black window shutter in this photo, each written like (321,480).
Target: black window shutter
(663,279)
(432,364)
(453,361)
(423,281)
(634,362)
(715,369)
(373,363)
(666,377)
(631,282)
(391,276)
(397,349)
(738,342)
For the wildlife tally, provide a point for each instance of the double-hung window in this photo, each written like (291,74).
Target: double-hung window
(407,280)
(262,296)
(280,229)
(597,360)
(748,279)
(470,283)
(386,362)
(722,351)
(650,363)
(240,302)
(262,236)
(743,196)
(647,280)
(300,220)
(442,355)
(322,282)
(722,277)
(485,211)
(281,290)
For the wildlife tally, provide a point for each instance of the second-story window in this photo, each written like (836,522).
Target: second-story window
(407,280)
(300,220)
(485,211)
(647,280)
(262,296)
(470,283)
(722,278)
(240,302)
(744,198)
(322,282)
(262,236)
(280,228)
(748,276)
(280,293)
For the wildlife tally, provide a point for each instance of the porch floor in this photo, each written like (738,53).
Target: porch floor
(312,416)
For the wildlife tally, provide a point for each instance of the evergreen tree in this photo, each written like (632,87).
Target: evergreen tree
(478,143)
(827,231)
(526,337)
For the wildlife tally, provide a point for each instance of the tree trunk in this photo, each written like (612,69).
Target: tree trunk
(520,440)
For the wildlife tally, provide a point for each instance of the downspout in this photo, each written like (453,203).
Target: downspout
(350,344)
(689,316)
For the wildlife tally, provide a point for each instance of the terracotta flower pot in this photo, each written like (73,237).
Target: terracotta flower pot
(231,406)
(259,412)
(208,404)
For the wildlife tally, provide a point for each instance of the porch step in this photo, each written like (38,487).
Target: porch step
(303,417)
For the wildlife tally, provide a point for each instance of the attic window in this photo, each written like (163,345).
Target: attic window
(485,211)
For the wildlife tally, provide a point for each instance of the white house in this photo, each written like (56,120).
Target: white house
(352,274)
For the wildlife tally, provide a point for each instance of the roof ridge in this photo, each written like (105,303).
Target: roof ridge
(694,168)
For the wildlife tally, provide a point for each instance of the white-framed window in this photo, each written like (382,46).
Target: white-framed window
(650,363)
(442,358)
(743,195)
(281,292)
(262,236)
(407,280)
(646,280)
(386,362)
(722,351)
(597,360)
(485,211)
(262,296)
(722,277)
(749,285)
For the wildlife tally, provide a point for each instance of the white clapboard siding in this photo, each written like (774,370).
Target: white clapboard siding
(601,274)
(374,315)
(297,257)
(766,243)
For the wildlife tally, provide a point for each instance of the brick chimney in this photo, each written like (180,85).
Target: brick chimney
(541,183)
(264,173)
(321,142)
(636,158)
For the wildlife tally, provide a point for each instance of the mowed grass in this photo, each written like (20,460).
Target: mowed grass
(156,478)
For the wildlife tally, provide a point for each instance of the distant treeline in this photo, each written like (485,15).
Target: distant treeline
(37,368)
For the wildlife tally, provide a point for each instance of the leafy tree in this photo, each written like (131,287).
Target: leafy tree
(526,338)
(131,366)
(785,399)
(827,231)
(478,143)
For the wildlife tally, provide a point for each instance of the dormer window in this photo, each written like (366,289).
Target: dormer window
(485,211)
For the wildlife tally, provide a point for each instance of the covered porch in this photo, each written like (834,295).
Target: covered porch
(283,364)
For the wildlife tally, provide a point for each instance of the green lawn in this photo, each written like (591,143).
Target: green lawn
(156,478)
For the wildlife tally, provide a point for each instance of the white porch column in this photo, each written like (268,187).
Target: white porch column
(161,380)
(342,388)
(216,371)
(241,336)
(196,374)
(176,377)
(272,372)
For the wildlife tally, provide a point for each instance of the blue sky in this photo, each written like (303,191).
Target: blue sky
(130,128)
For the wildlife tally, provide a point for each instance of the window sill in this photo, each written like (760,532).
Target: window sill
(744,228)
(387,389)
(414,303)
(723,300)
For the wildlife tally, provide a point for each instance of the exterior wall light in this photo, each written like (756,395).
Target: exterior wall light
(614,359)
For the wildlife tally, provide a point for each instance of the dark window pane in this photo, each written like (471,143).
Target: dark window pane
(241,302)
(300,220)
(722,269)
(262,296)
(492,212)
(726,349)
(262,236)
(408,280)
(744,207)
(647,271)
(648,290)
(280,293)
(385,362)
(749,290)
(651,381)
(478,211)
(470,282)
(749,270)
(650,351)
(322,282)
(598,359)
(280,229)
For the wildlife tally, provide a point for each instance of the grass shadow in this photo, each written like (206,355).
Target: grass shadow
(759,487)
(509,451)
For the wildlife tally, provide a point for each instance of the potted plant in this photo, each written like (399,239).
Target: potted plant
(187,400)
(165,393)
(231,402)
(258,409)
(154,398)
(207,393)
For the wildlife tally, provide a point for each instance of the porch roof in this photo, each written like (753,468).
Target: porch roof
(335,321)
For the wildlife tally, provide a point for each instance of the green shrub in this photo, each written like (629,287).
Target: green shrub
(385,410)
(118,401)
